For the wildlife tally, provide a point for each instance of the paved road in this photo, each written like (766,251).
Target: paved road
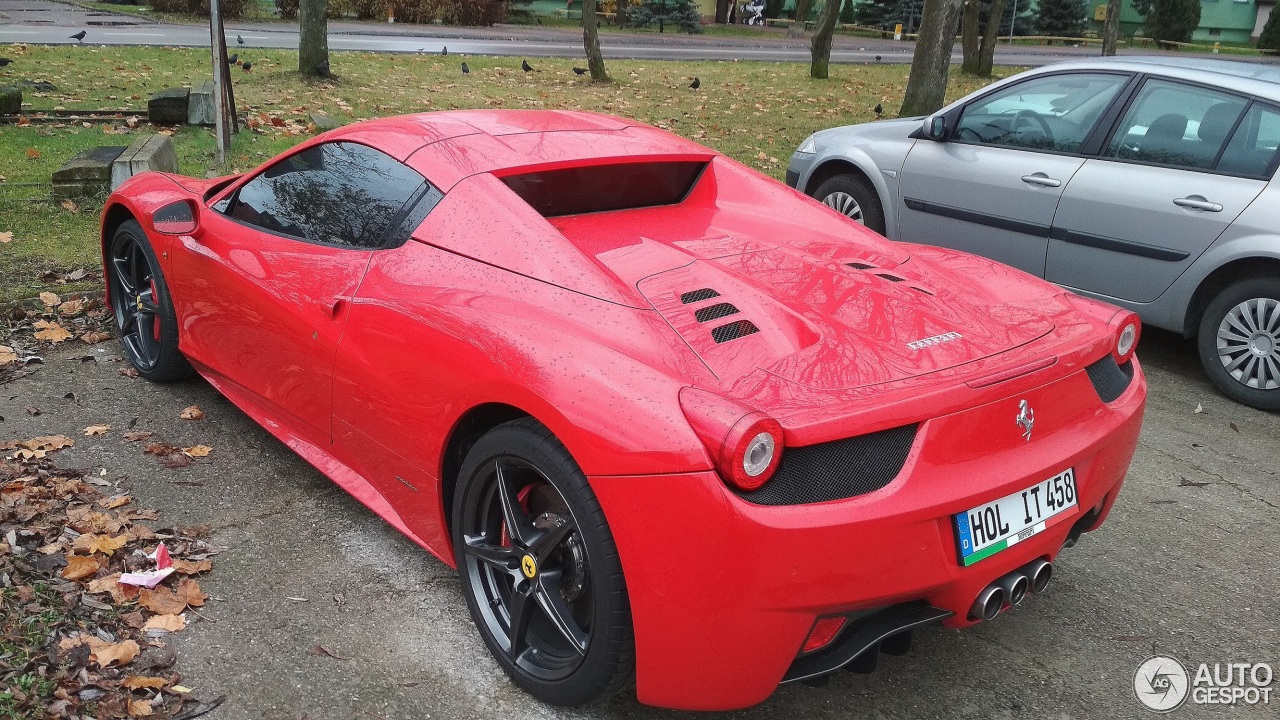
(1185,566)
(50,23)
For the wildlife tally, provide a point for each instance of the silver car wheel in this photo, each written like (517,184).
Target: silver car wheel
(1249,343)
(845,204)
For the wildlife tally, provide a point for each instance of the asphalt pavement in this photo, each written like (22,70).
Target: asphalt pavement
(46,22)
(1186,566)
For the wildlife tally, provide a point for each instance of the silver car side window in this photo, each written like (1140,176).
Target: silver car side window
(1053,113)
(1170,123)
(1253,147)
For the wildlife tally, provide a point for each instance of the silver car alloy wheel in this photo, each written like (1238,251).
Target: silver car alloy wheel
(845,204)
(1249,343)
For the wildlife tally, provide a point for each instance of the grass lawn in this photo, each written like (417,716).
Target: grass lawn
(754,112)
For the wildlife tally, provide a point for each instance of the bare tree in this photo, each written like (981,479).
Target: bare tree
(987,50)
(820,46)
(969,37)
(1111,28)
(722,11)
(802,14)
(591,42)
(313,38)
(927,84)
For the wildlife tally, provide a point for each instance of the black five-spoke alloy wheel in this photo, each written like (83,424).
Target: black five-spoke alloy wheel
(540,569)
(142,307)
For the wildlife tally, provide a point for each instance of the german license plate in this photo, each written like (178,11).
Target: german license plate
(990,528)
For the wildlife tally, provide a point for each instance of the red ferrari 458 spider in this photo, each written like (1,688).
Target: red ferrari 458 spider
(676,424)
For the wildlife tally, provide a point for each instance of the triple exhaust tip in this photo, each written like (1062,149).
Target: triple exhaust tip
(1011,589)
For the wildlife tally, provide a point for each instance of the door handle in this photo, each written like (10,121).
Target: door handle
(1042,180)
(335,306)
(1198,202)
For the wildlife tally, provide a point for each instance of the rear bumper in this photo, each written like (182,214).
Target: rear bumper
(724,592)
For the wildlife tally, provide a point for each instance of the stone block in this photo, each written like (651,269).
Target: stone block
(168,107)
(200,107)
(88,174)
(324,122)
(10,100)
(148,152)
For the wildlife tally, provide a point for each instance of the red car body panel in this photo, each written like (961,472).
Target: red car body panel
(368,362)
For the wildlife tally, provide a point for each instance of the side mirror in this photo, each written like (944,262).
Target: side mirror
(177,218)
(935,128)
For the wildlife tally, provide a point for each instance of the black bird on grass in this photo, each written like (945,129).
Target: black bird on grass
(240,41)
(4,62)
(579,71)
(879,109)
(323,69)
(465,70)
(78,37)
(525,66)
(232,59)
(444,51)
(246,65)
(695,84)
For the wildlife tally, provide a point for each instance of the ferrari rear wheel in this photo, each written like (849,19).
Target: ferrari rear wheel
(142,307)
(539,568)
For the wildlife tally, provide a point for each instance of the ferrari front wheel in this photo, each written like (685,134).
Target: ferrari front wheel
(539,568)
(142,307)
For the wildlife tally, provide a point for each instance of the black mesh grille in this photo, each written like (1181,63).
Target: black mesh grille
(694,296)
(711,312)
(837,470)
(1109,378)
(860,266)
(733,330)
(890,278)
(920,289)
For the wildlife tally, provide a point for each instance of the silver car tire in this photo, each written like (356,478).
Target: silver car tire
(1239,342)
(853,197)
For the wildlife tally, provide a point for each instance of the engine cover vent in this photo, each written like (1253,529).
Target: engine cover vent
(733,331)
(694,296)
(713,312)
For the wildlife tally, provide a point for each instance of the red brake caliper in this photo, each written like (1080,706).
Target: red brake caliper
(155,321)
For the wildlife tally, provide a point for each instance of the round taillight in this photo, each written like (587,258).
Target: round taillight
(759,455)
(1128,336)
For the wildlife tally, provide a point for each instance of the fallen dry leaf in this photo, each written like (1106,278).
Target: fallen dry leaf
(80,567)
(71,307)
(70,206)
(164,601)
(104,544)
(95,337)
(139,708)
(38,447)
(51,332)
(175,461)
(102,652)
(128,372)
(115,501)
(7,355)
(141,682)
(6,237)
(192,413)
(167,623)
(188,567)
(50,299)
(136,436)
(33,153)
(96,430)
(197,451)
(322,650)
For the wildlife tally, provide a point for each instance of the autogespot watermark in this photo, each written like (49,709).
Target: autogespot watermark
(1163,684)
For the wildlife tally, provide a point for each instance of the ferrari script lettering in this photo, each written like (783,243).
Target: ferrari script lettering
(935,340)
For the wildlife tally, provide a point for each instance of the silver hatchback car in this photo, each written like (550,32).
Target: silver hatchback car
(1145,182)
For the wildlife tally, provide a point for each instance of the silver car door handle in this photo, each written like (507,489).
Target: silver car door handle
(1042,180)
(1195,202)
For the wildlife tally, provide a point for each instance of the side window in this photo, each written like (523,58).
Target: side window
(1174,124)
(1053,113)
(1252,149)
(337,193)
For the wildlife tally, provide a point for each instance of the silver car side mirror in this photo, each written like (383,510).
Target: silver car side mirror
(935,128)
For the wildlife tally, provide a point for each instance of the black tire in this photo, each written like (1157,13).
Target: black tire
(561,555)
(142,307)
(1245,362)
(838,191)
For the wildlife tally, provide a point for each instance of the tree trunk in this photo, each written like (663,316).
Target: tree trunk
(969,37)
(591,42)
(927,84)
(313,38)
(1111,29)
(802,14)
(722,11)
(820,46)
(987,51)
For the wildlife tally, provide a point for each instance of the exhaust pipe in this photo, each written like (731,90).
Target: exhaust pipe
(1039,572)
(1015,586)
(988,603)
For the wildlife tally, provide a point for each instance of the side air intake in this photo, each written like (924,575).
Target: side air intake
(1109,378)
